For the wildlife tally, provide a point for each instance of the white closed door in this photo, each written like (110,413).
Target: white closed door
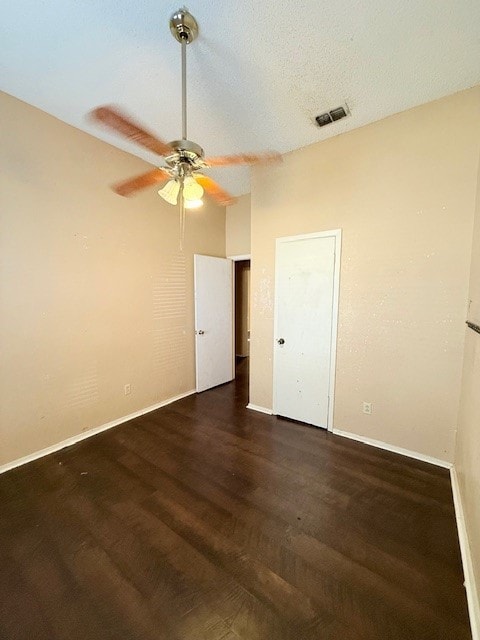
(304,316)
(213,285)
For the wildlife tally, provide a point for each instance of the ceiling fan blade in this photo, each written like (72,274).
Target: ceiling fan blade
(214,190)
(112,118)
(244,158)
(129,187)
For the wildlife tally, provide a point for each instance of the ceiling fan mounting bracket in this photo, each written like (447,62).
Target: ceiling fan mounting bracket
(183,26)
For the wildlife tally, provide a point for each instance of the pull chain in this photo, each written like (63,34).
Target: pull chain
(182,218)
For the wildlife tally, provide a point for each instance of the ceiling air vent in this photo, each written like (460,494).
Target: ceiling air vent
(331,116)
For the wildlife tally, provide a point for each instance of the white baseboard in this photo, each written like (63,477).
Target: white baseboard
(390,447)
(256,407)
(88,434)
(470,584)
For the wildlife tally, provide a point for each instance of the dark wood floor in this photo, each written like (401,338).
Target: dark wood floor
(206,521)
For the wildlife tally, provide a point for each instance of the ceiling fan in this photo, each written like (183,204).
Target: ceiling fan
(182,174)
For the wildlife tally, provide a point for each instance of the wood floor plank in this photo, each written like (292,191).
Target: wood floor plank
(207,521)
(329,532)
(217,506)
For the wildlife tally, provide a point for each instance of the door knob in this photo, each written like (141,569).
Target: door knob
(281,341)
(201,332)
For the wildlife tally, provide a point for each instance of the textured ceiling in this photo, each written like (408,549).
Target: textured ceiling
(258,73)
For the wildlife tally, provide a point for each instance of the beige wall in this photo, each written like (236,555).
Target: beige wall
(467,455)
(403,191)
(95,292)
(238,227)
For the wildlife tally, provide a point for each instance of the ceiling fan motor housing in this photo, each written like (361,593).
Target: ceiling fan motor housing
(186,151)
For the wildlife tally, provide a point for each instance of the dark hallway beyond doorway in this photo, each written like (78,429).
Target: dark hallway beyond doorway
(242,308)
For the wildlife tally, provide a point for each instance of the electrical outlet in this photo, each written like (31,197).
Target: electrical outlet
(367,408)
(127,389)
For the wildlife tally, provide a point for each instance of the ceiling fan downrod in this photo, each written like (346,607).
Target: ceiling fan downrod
(184,29)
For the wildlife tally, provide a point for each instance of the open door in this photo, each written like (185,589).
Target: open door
(213,284)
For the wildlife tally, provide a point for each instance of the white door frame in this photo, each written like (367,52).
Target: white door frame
(246,256)
(238,258)
(337,234)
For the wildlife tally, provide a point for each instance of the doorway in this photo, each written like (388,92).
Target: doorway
(242,308)
(307,270)
(222,318)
